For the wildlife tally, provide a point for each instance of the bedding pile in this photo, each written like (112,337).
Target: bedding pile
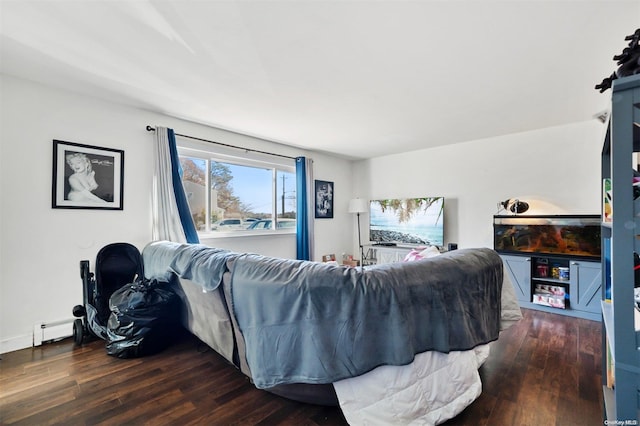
(434,388)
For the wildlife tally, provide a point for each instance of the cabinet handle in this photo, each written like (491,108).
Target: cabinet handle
(528,259)
(574,263)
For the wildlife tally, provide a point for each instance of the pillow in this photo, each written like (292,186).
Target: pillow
(421,253)
(430,251)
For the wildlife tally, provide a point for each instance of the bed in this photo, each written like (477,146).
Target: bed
(396,343)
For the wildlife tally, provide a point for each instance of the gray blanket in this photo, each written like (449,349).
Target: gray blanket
(306,322)
(201,264)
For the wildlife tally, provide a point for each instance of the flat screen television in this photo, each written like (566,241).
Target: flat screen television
(411,221)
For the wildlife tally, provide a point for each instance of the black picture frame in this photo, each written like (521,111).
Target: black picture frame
(96,180)
(324,199)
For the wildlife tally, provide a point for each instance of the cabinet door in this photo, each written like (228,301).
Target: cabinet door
(586,293)
(519,270)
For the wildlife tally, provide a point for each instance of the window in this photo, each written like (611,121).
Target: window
(246,195)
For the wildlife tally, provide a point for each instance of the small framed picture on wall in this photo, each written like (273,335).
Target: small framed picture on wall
(324,199)
(87,177)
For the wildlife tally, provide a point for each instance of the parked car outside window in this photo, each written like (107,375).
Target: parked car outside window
(227,224)
(266,224)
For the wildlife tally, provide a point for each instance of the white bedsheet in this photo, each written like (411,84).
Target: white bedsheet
(435,387)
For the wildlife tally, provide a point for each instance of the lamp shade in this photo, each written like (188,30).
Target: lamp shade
(358,205)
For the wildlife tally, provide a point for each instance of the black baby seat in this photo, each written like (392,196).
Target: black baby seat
(117,264)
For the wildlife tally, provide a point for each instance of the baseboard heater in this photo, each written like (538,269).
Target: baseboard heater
(44,332)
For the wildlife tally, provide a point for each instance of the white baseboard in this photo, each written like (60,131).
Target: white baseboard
(42,333)
(16,343)
(52,330)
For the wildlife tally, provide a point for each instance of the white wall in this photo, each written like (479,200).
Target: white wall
(556,170)
(40,247)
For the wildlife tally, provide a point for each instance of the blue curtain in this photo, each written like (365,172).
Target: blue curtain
(181,199)
(304,239)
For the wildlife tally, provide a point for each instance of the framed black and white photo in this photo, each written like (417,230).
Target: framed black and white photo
(324,199)
(87,177)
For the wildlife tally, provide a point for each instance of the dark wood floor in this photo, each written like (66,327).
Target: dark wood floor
(543,371)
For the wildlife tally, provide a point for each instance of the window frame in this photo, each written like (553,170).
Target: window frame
(193,149)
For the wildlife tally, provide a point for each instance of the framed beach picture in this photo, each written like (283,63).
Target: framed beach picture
(324,199)
(87,177)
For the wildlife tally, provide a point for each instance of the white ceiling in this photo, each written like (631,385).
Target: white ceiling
(358,78)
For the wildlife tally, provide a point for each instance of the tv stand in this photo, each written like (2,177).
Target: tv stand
(377,254)
(535,282)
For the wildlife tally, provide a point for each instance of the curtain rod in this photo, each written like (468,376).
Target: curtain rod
(151,129)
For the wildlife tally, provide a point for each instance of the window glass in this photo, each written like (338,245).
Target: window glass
(194,182)
(242,192)
(286,194)
(249,197)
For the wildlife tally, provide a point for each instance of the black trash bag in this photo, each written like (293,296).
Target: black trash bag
(145,319)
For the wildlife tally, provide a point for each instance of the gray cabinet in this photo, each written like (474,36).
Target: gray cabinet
(519,270)
(588,288)
(620,238)
(581,289)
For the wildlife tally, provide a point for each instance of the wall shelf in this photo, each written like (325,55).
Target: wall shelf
(620,231)
(608,322)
